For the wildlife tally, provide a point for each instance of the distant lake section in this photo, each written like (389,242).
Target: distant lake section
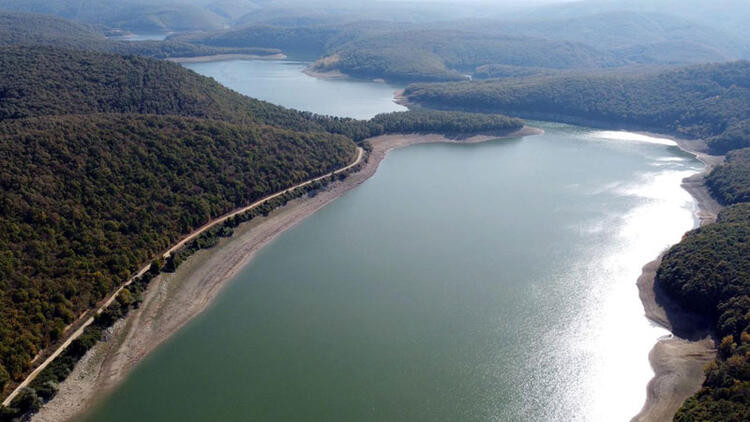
(140,37)
(282,82)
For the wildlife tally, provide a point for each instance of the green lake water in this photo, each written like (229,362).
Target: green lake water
(485,282)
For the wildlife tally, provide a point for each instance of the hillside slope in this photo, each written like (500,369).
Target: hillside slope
(701,100)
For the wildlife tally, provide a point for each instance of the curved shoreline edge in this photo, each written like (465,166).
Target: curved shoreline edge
(678,359)
(172,300)
(225,57)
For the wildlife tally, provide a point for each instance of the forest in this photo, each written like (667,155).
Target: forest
(709,272)
(711,101)
(32,29)
(89,199)
(730,183)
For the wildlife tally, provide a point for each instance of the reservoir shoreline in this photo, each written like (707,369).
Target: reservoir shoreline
(172,300)
(224,57)
(678,359)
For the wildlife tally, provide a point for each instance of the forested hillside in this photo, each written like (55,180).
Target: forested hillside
(49,81)
(32,29)
(108,159)
(88,199)
(709,272)
(448,50)
(133,15)
(730,183)
(444,54)
(701,101)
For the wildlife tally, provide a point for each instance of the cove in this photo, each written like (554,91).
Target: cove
(490,281)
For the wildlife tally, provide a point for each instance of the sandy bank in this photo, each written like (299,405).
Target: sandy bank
(678,360)
(331,74)
(171,300)
(223,57)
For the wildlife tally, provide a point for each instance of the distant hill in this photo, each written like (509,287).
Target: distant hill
(702,100)
(623,30)
(449,50)
(35,29)
(133,15)
(396,52)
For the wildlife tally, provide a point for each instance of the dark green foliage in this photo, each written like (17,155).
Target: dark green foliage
(497,71)
(730,183)
(709,272)
(46,81)
(435,55)
(696,101)
(87,199)
(148,16)
(710,265)
(737,213)
(4,378)
(305,41)
(736,136)
(444,122)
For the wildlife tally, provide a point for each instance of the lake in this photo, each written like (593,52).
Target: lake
(479,282)
(282,82)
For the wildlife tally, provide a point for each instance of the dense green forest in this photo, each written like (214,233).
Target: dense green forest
(154,16)
(424,55)
(47,81)
(447,123)
(730,183)
(709,272)
(87,199)
(701,100)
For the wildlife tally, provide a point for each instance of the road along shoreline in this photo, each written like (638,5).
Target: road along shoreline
(177,246)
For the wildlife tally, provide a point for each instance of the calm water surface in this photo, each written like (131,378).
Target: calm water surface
(140,37)
(490,282)
(282,82)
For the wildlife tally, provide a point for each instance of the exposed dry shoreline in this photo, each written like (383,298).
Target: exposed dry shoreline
(223,57)
(678,360)
(331,74)
(172,300)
